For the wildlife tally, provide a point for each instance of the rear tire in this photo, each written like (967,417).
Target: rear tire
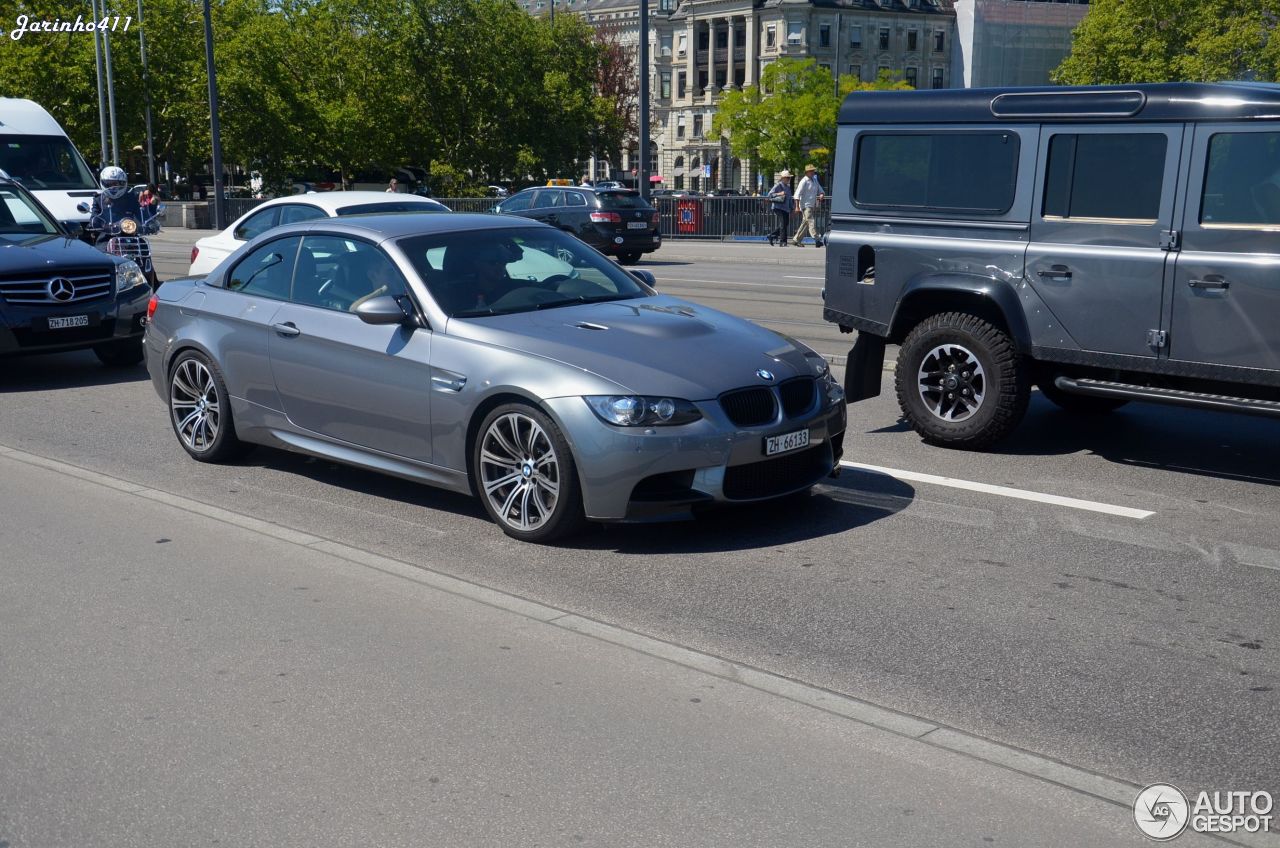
(629,258)
(960,381)
(525,475)
(1078,404)
(120,354)
(200,410)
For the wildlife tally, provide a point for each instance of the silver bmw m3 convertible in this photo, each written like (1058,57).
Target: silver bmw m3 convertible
(490,355)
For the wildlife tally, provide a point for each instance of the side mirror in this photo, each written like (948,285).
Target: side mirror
(73,228)
(645,277)
(82,207)
(382,310)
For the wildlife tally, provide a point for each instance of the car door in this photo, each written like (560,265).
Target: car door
(244,306)
(361,384)
(1226,280)
(548,205)
(1098,254)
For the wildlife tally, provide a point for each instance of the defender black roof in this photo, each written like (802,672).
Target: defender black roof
(1174,101)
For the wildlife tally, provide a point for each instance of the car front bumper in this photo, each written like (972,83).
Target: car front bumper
(25,329)
(644,473)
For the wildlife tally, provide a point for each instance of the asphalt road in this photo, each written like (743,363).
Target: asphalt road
(1143,648)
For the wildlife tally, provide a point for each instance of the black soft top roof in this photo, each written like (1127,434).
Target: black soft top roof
(1174,101)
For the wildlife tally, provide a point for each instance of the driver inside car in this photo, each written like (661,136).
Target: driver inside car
(477,275)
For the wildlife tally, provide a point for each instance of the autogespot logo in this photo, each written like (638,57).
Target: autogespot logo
(1161,811)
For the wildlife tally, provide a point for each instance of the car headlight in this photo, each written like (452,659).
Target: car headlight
(128,276)
(640,411)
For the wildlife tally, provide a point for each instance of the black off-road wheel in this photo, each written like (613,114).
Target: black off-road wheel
(200,410)
(525,475)
(1078,404)
(961,382)
(120,354)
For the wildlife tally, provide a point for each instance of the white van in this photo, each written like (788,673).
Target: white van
(36,151)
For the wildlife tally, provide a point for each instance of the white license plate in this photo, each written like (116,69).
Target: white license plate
(637,225)
(786,442)
(68,321)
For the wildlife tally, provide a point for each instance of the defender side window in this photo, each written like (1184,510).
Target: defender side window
(960,171)
(1242,181)
(1110,176)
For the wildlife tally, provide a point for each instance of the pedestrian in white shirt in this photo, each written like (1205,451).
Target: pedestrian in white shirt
(808,193)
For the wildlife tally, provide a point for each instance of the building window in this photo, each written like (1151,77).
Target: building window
(795,32)
(722,38)
(913,40)
(680,84)
(664,44)
(855,71)
(882,71)
(702,81)
(682,44)
(911,77)
(937,78)
(855,36)
(720,78)
(666,85)
(771,37)
(824,35)
(697,126)
(939,41)
(680,127)
(884,38)
(824,66)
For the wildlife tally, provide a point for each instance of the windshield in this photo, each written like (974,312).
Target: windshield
(494,272)
(621,200)
(20,219)
(43,162)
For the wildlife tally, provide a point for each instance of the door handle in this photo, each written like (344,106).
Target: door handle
(1210,284)
(1057,272)
(287,329)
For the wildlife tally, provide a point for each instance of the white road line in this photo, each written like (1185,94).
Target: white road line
(665,278)
(1004,491)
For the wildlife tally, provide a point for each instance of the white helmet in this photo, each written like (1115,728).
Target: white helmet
(114,180)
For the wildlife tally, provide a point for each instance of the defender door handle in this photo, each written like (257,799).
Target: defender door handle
(1057,272)
(288,329)
(1210,284)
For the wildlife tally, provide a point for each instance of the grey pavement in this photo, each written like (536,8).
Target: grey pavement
(184,680)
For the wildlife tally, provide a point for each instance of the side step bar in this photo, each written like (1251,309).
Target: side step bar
(1176,397)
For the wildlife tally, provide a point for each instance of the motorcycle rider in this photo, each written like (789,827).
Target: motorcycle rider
(111,206)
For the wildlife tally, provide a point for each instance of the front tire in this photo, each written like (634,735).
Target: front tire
(120,354)
(200,409)
(525,475)
(960,381)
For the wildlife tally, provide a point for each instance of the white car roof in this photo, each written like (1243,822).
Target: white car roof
(332,201)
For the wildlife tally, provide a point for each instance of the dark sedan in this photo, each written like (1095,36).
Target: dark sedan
(58,293)
(616,222)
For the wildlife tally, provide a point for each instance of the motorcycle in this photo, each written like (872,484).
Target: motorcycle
(120,229)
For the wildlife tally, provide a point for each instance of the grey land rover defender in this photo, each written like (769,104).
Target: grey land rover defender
(1106,244)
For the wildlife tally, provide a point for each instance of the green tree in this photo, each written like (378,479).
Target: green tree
(1129,41)
(790,117)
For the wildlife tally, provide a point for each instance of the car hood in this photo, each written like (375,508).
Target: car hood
(49,254)
(653,345)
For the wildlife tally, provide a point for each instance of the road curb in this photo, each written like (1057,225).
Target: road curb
(1074,778)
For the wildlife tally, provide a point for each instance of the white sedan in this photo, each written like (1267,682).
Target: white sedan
(209,251)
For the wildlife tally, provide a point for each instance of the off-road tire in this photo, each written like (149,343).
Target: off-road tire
(1007,386)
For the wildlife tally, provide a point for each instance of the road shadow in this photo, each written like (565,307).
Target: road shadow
(76,369)
(658,263)
(831,507)
(1191,441)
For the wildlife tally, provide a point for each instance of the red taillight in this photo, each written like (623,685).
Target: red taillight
(151,306)
(656,219)
(195,251)
(606,218)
